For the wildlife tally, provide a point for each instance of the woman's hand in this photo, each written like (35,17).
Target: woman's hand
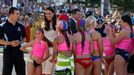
(108,29)
(105,57)
(51,60)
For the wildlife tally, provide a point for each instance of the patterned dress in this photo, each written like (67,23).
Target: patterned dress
(47,65)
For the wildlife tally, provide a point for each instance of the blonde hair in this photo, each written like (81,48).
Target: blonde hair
(89,20)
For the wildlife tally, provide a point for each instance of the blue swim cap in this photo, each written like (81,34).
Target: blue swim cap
(64,25)
(81,23)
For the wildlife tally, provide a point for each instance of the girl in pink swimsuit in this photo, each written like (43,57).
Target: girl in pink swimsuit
(63,45)
(123,45)
(38,54)
(83,50)
(108,55)
(97,45)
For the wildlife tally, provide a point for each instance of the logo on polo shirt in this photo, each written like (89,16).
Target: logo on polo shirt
(19,29)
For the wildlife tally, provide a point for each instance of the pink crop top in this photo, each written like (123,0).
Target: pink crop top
(95,42)
(39,48)
(79,48)
(125,44)
(108,47)
(63,46)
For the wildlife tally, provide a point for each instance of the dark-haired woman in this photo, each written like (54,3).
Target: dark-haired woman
(123,44)
(97,45)
(83,49)
(49,26)
(108,53)
(63,48)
